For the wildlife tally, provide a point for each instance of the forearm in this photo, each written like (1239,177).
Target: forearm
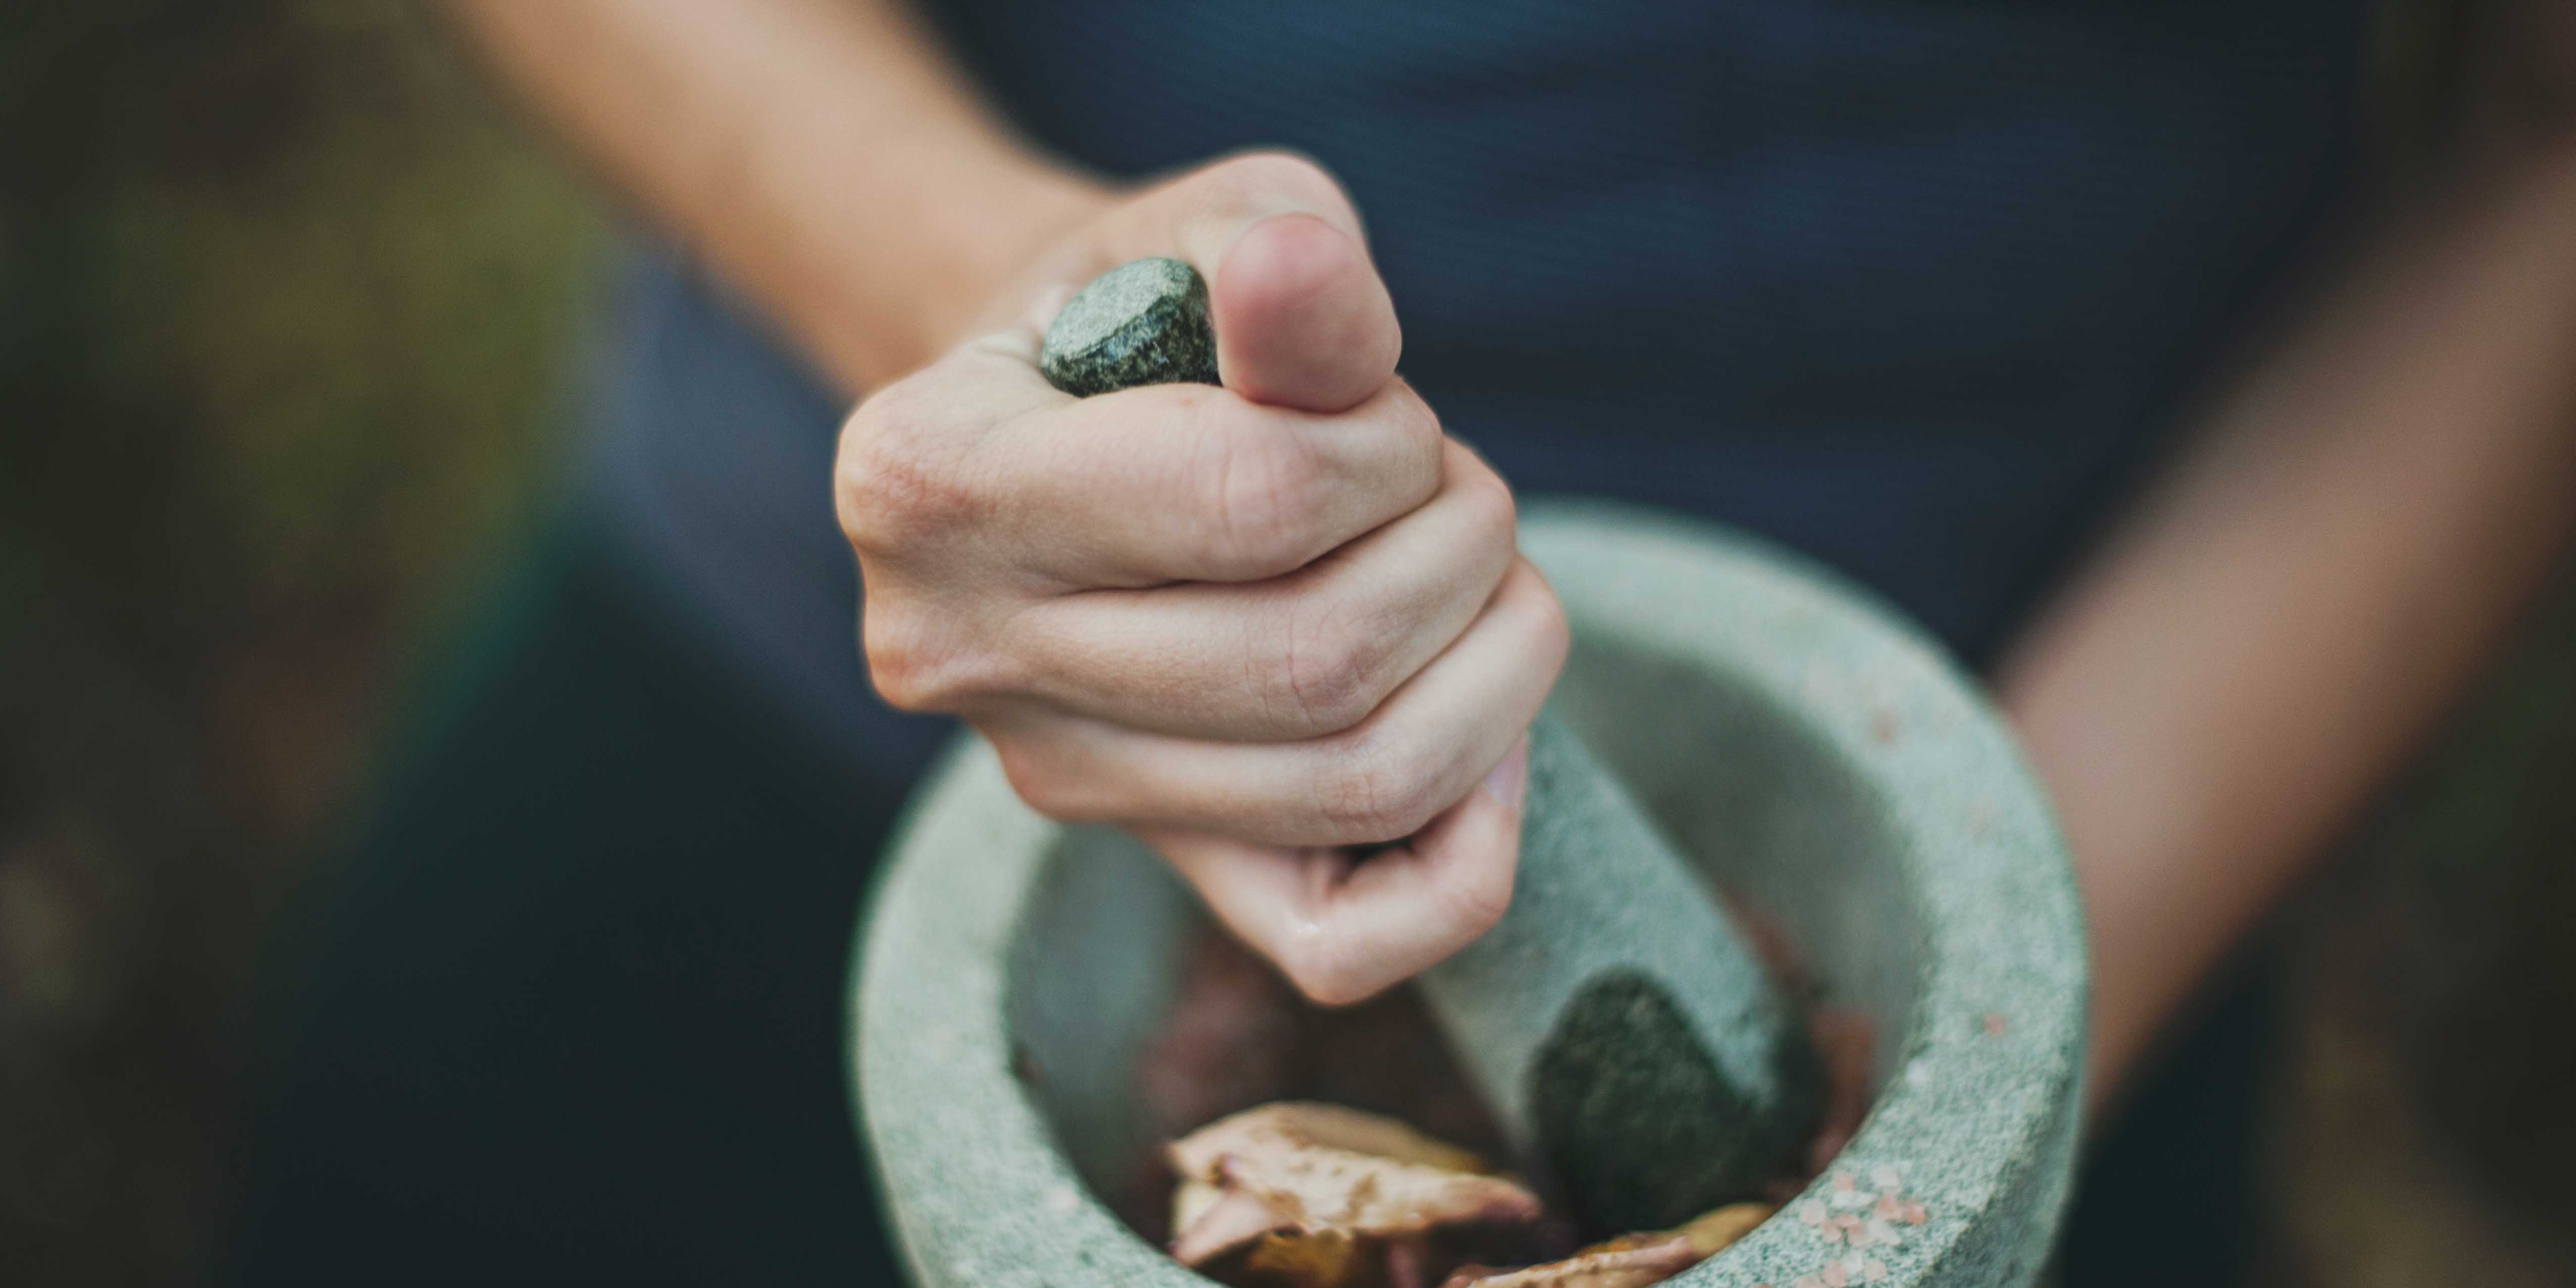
(2219,694)
(820,153)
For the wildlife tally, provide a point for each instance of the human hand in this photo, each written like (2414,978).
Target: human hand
(1256,625)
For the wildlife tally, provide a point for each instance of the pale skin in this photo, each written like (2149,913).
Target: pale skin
(1263,623)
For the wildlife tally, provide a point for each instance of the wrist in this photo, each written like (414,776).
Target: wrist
(1025,210)
(975,222)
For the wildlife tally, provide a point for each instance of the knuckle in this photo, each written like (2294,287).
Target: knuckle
(1493,514)
(1481,894)
(850,485)
(1325,970)
(894,488)
(1382,790)
(1554,633)
(1260,501)
(913,666)
(1421,449)
(1419,426)
(1050,779)
(1332,670)
(899,664)
(1041,783)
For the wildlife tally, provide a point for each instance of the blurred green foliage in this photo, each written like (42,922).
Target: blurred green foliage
(291,251)
(288,305)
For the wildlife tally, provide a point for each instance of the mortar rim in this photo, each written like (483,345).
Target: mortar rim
(927,960)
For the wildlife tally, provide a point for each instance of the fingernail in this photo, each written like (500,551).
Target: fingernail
(1511,778)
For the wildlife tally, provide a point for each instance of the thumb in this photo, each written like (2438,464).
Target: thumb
(1302,319)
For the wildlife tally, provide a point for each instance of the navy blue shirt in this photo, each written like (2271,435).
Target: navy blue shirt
(1911,285)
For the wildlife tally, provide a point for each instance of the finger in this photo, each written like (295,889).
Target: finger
(1298,656)
(1190,483)
(1137,488)
(907,472)
(1344,928)
(1302,318)
(1210,208)
(1384,778)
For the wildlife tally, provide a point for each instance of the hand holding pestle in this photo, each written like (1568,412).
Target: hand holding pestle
(1614,1020)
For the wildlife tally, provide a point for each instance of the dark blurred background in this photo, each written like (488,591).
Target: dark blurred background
(294,318)
(288,309)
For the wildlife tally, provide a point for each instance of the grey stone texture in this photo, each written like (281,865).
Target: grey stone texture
(1616,1020)
(1141,323)
(1809,753)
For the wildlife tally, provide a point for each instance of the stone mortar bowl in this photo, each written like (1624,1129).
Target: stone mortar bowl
(1820,759)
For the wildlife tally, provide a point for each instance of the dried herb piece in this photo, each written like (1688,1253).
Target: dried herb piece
(1710,1232)
(1313,1190)
(1629,1261)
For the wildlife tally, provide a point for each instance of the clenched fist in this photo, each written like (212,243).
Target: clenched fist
(1258,625)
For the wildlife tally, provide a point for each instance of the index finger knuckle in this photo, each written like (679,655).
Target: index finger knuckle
(897,480)
(1382,787)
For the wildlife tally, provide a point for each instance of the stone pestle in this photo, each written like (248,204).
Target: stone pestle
(1615,1020)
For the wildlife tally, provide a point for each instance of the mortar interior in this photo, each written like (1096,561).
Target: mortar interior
(1771,812)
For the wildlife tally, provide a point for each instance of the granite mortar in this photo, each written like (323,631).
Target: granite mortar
(1805,748)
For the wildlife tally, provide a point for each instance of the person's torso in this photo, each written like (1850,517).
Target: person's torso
(1905,284)
(1893,280)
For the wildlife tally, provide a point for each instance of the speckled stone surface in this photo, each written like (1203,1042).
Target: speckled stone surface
(1616,1019)
(1616,1022)
(1141,323)
(1802,748)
